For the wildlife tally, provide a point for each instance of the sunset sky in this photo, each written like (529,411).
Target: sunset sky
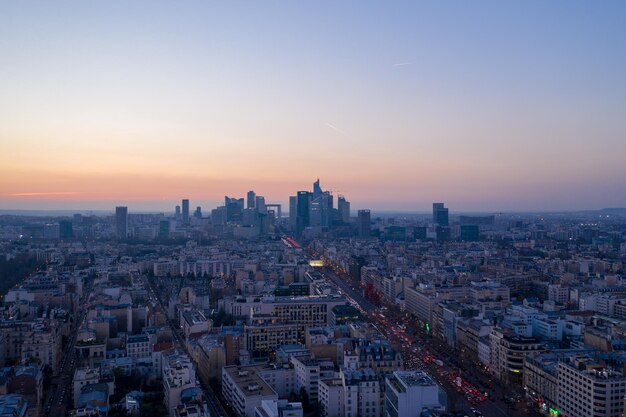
(484,105)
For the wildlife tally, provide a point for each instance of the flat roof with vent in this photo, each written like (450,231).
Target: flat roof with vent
(414,378)
(248,381)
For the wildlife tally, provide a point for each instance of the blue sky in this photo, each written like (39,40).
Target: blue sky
(484,105)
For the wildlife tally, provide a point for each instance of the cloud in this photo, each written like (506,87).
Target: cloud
(44,194)
(335,128)
(402,64)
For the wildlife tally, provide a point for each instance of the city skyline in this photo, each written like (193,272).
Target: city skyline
(488,107)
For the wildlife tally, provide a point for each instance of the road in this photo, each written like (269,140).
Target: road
(59,399)
(215,407)
(349,290)
(494,407)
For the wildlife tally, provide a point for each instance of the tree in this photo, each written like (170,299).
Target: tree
(304,398)
(223,319)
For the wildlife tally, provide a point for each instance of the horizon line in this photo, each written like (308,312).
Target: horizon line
(6,211)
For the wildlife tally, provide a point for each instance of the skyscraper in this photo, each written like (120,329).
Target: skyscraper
(440,214)
(260,204)
(315,212)
(293,211)
(121,222)
(317,189)
(344,209)
(234,208)
(364,223)
(177,213)
(164,229)
(66,230)
(251,200)
(186,211)
(302,217)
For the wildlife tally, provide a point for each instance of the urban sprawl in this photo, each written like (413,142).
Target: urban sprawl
(260,310)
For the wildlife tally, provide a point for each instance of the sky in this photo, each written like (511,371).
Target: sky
(485,105)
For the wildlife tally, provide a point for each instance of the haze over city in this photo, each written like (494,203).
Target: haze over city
(312,209)
(489,106)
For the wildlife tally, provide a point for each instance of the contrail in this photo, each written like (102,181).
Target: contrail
(401,64)
(335,128)
(42,194)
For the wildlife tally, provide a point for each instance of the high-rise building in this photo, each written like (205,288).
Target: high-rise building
(164,229)
(293,211)
(121,222)
(321,206)
(260,204)
(408,393)
(327,208)
(344,209)
(198,213)
(440,214)
(219,215)
(470,232)
(185,211)
(177,213)
(66,230)
(51,231)
(303,213)
(251,200)
(234,209)
(317,189)
(315,212)
(364,223)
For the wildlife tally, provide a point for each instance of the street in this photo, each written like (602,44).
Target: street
(417,345)
(215,407)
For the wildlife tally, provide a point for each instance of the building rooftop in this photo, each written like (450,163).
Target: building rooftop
(137,338)
(194,317)
(249,381)
(12,405)
(402,380)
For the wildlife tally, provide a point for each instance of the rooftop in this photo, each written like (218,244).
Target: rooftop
(249,381)
(401,380)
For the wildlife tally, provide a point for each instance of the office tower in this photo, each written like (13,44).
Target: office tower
(249,217)
(364,223)
(317,189)
(293,207)
(344,209)
(470,232)
(198,213)
(440,214)
(66,230)
(186,211)
(327,207)
(302,216)
(251,200)
(315,212)
(218,215)
(177,213)
(270,220)
(51,231)
(121,222)
(88,222)
(260,204)
(164,229)
(321,206)
(234,209)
